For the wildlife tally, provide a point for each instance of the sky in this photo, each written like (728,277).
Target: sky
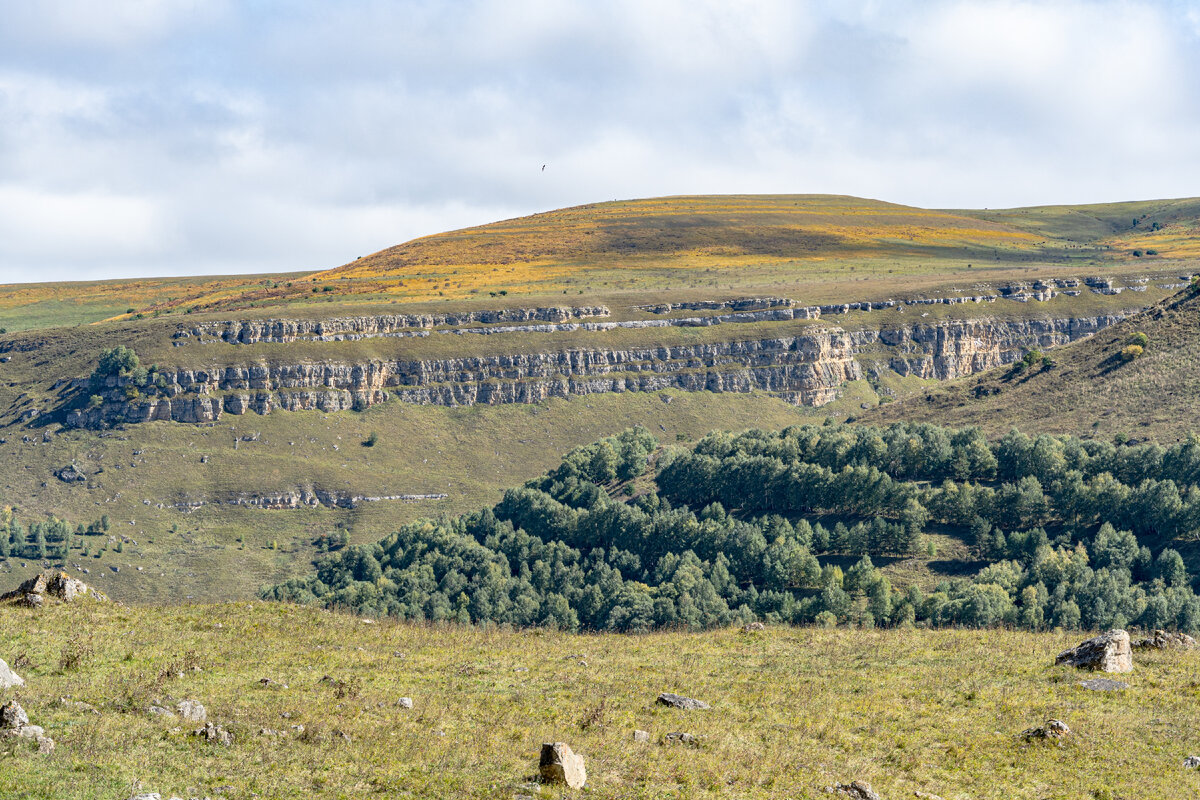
(182,137)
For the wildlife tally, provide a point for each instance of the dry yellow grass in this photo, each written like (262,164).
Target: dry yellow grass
(794,710)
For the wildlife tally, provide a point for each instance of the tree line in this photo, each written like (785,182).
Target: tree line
(788,526)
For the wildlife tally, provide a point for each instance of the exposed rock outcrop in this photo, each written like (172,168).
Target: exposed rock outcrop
(1108,652)
(56,583)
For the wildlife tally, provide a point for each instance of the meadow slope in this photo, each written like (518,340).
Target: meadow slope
(793,710)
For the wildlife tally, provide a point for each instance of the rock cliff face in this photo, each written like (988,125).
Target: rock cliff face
(806,369)
(338,328)
(954,349)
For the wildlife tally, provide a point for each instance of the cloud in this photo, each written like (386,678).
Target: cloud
(185,137)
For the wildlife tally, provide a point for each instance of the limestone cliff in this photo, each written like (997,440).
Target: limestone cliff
(807,368)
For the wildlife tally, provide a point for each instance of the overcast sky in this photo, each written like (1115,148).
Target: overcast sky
(144,137)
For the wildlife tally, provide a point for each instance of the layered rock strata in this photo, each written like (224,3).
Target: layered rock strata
(807,368)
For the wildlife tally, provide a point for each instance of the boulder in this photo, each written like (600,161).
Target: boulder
(191,710)
(71,474)
(641,736)
(8,678)
(681,702)
(405,702)
(558,764)
(1108,652)
(857,790)
(45,745)
(56,583)
(1191,762)
(12,715)
(753,627)
(1163,640)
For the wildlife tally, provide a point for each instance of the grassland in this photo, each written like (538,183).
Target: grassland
(794,710)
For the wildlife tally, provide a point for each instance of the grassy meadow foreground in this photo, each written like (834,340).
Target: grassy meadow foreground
(793,710)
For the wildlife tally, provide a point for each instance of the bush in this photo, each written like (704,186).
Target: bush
(1130,352)
(95,401)
(1139,338)
(371,440)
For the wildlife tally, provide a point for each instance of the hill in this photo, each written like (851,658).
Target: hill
(237,441)
(793,711)
(1087,387)
(833,246)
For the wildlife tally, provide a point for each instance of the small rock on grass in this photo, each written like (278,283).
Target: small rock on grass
(12,715)
(1191,762)
(559,764)
(681,702)
(681,738)
(857,790)
(8,678)
(1055,730)
(405,702)
(641,736)
(191,710)
(214,733)
(1104,685)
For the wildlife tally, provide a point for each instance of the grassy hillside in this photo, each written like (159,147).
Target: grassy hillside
(471,454)
(1090,389)
(827,246)
(793,710)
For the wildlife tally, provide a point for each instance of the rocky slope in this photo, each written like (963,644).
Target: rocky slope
(807,368)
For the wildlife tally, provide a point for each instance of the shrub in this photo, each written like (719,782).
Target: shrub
(95,401)
(1139,338)
(1130,352)
(371,440)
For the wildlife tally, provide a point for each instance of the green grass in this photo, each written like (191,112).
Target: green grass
(794,710)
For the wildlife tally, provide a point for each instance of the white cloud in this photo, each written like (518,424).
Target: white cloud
(194,136)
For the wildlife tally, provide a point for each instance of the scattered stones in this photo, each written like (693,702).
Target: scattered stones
(191,710)
(1104,685)
(558,764)
(1191,762)
(14,722)
(8,678)
(857,790)
(214,733)
(405,702)
(1108,652)
(1055,730)
(641,736)
(1162,640)
(681,738)
(681,702)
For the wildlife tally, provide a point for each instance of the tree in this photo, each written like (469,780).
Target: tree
(119,360)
